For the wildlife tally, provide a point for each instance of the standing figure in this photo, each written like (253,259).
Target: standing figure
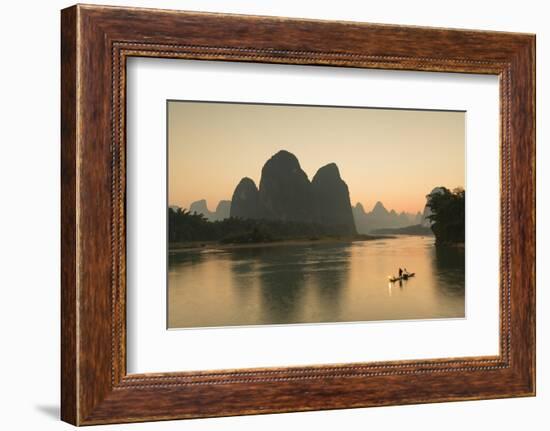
(400,272)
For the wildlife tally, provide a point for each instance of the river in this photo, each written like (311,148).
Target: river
(312,283)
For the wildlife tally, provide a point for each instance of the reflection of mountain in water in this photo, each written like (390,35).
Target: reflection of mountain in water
(292,279)
(314,282)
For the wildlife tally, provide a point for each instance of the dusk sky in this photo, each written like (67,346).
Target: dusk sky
(393,156)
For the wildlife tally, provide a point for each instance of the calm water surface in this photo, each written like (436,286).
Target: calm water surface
(311,283)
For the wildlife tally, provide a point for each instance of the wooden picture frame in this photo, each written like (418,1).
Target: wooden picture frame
(95,43)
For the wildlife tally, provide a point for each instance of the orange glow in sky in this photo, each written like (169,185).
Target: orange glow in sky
(387,155)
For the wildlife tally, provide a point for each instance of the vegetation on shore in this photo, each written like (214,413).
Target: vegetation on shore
(186,227)
(447,224)
(448,216)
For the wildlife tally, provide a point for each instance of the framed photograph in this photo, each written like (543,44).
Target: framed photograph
(264,215)
(293,249)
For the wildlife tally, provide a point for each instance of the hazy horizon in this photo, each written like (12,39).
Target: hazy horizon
(387,155)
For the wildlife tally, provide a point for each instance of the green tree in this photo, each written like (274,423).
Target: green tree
(448,215)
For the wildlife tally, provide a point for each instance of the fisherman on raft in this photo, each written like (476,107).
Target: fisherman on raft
(403,272)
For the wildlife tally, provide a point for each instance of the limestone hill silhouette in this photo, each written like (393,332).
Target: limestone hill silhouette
(286,194)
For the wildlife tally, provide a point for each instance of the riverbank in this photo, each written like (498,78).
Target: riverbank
(416,229)
(450,244)
(216,245)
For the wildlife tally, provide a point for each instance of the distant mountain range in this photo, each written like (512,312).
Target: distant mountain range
(379,217)
(285,193)
(221,213)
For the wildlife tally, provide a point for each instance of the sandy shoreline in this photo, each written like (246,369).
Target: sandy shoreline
(215,245)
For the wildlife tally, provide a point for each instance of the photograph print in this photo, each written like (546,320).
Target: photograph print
(300,214)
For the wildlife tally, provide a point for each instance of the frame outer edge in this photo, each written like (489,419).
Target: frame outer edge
(530,63)
(532,101)
(523,213)
(533,54)
(69,411)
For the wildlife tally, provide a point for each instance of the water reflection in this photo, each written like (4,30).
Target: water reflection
(292,279)
(450,264)
(314,283)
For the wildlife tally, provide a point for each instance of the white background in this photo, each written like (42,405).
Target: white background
(29,216)
(151,348)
